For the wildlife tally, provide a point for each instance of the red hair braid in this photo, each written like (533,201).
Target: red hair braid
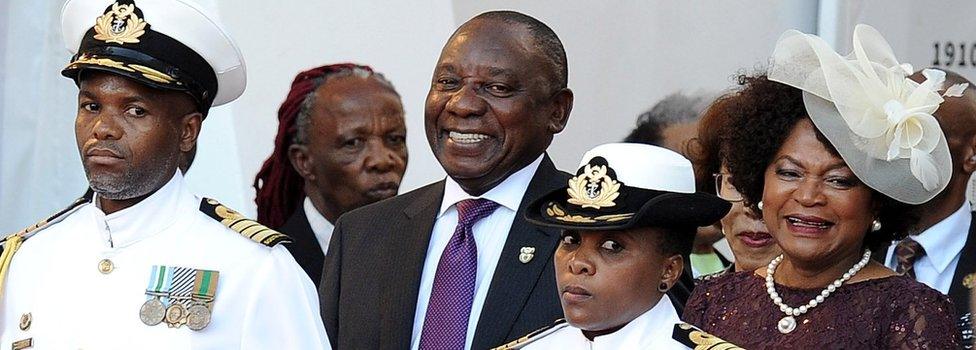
(280,189)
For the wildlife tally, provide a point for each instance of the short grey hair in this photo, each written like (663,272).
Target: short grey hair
(676,108)
(304,117)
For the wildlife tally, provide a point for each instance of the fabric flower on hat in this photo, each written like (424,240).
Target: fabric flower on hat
(888,116)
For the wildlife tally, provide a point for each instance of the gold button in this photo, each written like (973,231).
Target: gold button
(25,321)
(105,266)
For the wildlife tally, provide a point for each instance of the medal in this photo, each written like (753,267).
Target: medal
(180,296)
(153,311)
(204,289)
(175,315)
(198,318)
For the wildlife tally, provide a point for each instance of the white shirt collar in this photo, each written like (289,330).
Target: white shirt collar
(653,327)
(508,194)
(321,227)
(944,240)
(146,218)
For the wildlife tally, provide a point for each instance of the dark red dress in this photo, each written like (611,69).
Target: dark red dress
(886,313)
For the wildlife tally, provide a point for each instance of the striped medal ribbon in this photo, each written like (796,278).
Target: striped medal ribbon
(153,310)
(204,290)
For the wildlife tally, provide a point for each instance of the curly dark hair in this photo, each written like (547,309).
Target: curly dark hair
(761,115)
(705,149)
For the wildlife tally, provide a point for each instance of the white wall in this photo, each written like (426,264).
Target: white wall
(623,57)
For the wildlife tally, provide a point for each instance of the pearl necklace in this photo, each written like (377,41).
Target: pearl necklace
(788,324)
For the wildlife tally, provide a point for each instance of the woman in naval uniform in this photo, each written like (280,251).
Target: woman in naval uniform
(629,215)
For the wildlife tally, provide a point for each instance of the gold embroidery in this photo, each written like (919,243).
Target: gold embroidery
(245,227)
(120,25)
(593,188)
(555,212)
(104,62)
(705,341)
(153,74)
(614,217)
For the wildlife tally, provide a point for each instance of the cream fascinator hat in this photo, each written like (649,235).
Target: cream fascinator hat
(879,121)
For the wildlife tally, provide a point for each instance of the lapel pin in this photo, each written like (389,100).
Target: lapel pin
(25,321)
(969,281)
(526,254)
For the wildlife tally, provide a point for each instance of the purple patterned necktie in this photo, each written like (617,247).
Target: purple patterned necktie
(446,321)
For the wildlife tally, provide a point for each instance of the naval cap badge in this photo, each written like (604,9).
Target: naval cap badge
(120,24)
(594,186)
(526,254)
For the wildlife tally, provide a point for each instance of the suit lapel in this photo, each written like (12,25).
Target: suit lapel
(305,247)
(958,291)
(514,281)
(400,294)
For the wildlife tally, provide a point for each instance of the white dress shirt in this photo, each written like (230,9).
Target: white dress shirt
(650,330)
(263,299)
(943,243)
(490,234)
(321,227)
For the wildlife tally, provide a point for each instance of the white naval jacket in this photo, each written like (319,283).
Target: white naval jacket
(650,330)
(264,300)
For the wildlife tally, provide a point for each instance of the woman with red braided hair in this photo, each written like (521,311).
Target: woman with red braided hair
(341,144)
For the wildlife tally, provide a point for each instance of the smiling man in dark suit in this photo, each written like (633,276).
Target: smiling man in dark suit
(453,265)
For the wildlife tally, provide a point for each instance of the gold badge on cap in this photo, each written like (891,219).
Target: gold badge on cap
(593,188)
(120,25)
(526,254)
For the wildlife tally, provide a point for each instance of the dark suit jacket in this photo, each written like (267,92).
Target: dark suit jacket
(958,291)
(305,248)
(372,272)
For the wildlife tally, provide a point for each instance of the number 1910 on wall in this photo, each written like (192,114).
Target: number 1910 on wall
(948,54)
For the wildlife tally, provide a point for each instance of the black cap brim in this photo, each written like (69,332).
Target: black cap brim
(638,208)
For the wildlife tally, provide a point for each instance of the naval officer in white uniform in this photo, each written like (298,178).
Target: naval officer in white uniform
(140,262)
(628,217)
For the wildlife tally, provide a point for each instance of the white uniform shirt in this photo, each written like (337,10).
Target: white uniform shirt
(264,300)
(943,243)
(490,234)
(650,330)
(321,227)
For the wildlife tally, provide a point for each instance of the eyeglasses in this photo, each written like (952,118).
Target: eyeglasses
(724,188)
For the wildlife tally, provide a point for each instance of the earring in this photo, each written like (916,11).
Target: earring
(759,205)
(875,225)
(663,287)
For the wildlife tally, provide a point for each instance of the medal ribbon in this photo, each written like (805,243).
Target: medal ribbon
(160,278)
(182,285)
(205,285)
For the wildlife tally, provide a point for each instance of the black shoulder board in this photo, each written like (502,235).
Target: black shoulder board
(535,335)
(246,227)
(695,338)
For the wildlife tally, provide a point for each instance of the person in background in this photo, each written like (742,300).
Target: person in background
(341,144)
(627,218)
(141,262)
(820,165)
(941,248)
(751,243)
(453,265)
(673,124)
